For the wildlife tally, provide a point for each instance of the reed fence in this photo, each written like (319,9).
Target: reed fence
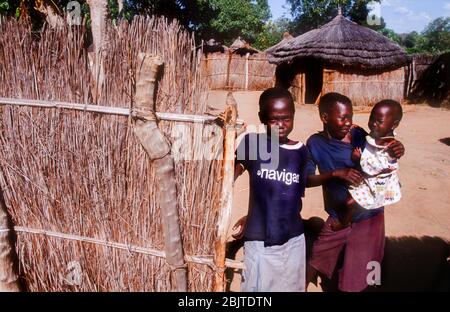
(81,190)
(229,71)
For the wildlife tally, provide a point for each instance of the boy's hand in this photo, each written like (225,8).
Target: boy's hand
(241,225)
(352,176)
(395,149)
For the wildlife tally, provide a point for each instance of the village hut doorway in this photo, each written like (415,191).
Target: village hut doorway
(313,80)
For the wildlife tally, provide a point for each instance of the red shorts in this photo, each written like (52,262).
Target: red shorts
(363,242)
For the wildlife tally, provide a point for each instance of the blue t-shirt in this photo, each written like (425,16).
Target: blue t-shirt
(329,155)
(277,185)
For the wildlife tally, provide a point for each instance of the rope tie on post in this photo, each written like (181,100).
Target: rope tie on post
(143,114)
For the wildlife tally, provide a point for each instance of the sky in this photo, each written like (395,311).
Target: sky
(402,16)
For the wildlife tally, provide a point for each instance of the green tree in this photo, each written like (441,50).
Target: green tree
(311,14)
(272,33)
(233,18)
(413,42)
(8,7)
(391,34)
(437,35)
(223,20)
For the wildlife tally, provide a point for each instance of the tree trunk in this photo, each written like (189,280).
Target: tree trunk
(120,5)
(158,149)
(226,198)
(99,12)
(9,280)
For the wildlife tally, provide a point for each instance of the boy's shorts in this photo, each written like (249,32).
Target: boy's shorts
(363,241)
(274,268)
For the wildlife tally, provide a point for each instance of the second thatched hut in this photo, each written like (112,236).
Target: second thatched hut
(343,57)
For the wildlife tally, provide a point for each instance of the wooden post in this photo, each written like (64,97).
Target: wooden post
(9,279)
(303,84)
(99,13)
(230,57)
(158,149)
(226,197)
(246,71)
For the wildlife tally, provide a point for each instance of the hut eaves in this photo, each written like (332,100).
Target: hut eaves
(286,37)
(239,46)
(342,42)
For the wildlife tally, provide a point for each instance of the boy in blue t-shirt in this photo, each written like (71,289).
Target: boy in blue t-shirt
(274,248)
(362,240)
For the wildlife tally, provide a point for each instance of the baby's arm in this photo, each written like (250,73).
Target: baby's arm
(395,149)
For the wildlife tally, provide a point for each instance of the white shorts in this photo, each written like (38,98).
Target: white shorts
(274,268)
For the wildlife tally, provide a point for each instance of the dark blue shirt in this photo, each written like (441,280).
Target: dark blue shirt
(329,155)
(277,185)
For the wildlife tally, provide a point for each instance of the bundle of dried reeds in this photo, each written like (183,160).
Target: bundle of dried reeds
(85,177)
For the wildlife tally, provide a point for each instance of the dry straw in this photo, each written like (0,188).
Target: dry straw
(85,174)
(342,41)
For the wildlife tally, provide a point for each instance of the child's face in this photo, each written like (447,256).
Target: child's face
(279,115)
(382,122)
(338,120)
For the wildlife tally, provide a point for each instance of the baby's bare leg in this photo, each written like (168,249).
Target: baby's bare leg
(345,215)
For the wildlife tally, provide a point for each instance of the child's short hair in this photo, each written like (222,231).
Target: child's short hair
(330,99)
(395,106)
(274,93)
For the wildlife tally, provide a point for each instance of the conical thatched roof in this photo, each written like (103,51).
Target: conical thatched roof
(286,37)
(239,46)
(342,42)
(212,46)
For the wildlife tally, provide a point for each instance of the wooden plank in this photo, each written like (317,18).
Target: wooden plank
(226,197)
(121,111)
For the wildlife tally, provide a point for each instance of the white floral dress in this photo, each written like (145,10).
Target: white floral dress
(378,189)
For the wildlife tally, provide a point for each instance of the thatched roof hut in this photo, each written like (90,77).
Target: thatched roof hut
(344,57)
(241,47)
(212,46)
(286,37)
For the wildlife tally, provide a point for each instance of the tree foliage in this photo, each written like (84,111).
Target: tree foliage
(224,20)
(272,33)
(311,14)
(235,18)
(437,35)
(434,39)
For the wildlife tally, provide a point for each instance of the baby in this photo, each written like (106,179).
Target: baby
(380,186)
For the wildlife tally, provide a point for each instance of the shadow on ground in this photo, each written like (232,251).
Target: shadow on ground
(446,141)
(412,264)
